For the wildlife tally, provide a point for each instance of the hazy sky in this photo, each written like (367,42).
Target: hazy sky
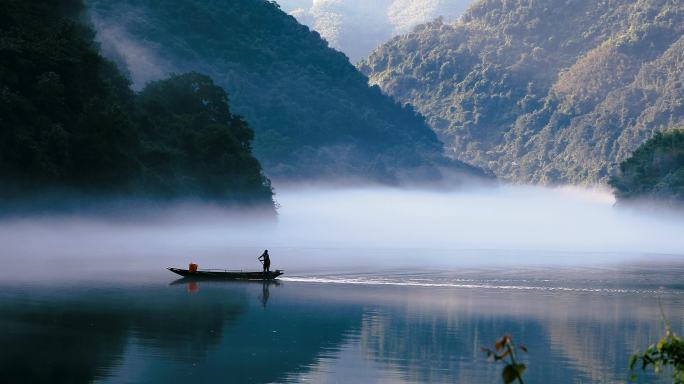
(356,27)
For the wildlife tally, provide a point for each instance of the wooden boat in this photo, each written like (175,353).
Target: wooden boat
(224,274)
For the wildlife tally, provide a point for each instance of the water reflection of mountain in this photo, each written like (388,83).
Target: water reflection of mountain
(572,337)
(80,335)
(595,335)
(439,348)
(228,332)
(57,345)
(77,335)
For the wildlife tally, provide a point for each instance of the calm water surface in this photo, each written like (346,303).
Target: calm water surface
(580,325)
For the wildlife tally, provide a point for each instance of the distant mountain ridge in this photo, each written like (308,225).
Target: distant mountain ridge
(313,112)
(547,92)
(357,27)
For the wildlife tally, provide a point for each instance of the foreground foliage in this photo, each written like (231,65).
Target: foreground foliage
(505,350)
(668,352)
(70,124)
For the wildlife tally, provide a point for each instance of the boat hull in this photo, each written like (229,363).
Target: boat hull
(227,275)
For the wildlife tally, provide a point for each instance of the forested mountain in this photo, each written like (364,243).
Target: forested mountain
(313,112)
(556,91)
(655,170)
(70,126)
(358,27)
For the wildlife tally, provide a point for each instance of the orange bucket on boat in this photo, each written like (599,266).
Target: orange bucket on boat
(192,267)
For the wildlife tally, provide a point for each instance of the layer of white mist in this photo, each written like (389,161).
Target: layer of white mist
(141,59)
(354,229)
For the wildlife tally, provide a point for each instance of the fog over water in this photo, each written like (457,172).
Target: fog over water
(320,228)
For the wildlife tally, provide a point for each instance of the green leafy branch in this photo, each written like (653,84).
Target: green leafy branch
(669,351)
(505,350)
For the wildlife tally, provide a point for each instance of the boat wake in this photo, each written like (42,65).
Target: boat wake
(465,284)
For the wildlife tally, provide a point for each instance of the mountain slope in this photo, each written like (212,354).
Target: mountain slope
(313,113)
(549,92)
(71,126)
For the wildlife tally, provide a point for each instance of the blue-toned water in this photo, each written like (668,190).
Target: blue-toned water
(580,326)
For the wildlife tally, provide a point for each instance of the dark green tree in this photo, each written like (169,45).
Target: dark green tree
(63,108)
(71,126)
(193,144)
(655,169)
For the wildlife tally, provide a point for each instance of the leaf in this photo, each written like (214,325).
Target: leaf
(509,374)
(512,372)
(633,360)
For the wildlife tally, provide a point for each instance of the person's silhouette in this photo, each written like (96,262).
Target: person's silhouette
(266,261)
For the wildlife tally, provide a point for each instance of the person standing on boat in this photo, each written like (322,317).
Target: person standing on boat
(266,261)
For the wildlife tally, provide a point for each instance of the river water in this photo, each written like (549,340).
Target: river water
(579,325)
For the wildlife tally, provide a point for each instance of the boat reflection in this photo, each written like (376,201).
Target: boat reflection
(193,285)
(265,294)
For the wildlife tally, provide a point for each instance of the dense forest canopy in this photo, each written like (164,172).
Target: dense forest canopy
(313,113)
(553,91)
(655,169)
(70,124)
(193,145)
